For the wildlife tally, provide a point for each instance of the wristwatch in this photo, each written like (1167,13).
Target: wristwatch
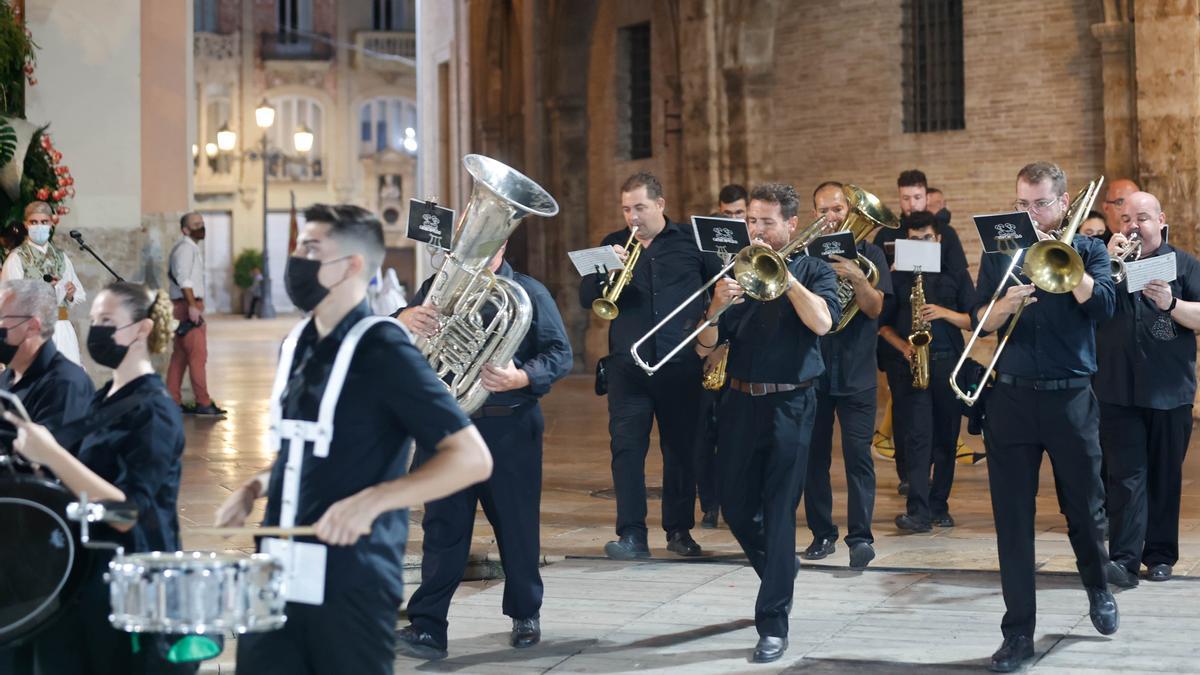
(1171,308)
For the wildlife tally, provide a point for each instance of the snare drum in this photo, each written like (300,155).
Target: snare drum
(196,592)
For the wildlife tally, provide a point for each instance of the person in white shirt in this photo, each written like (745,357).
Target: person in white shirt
(38,258)
(185,272)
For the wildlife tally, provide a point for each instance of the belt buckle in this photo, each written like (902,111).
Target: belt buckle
(758,388)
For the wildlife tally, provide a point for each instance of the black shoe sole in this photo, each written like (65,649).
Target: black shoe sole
(757,657)
(615,552)
(684,552)
(525,642)
(418,651)
(818,555)
(1010,667)
(857,562)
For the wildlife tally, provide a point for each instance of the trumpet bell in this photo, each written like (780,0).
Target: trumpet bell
(605,309)
(1053,266)
(761,272)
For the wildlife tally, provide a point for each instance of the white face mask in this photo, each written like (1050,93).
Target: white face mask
(39,234)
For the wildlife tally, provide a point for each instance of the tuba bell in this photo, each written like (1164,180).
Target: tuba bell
(482,318)
(866,213)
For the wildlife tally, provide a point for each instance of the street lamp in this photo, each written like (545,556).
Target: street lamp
(264,117)
(226,138)
(303,139)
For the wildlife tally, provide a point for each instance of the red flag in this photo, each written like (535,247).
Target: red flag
(293,226)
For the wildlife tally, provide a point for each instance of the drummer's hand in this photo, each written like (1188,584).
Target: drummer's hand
(34,442)
(348,519)
(236,507)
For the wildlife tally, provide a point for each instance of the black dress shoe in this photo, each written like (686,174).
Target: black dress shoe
(861,555)
(819,549)
(681,543)
(907,523)
(902,488)
(418,644)
(1015,651)
(709,521)
(1118,575)
(628,547)
(1159,572)
(526,632)
(1103,611)
(943,520)
(769,649)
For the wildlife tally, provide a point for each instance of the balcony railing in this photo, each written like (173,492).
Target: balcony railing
(385,50)
(214,47)
(293,47)
(291,168)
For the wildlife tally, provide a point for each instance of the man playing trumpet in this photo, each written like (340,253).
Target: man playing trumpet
(767,414)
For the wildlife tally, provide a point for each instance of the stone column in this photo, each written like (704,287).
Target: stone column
(1167,48)
(1120,128)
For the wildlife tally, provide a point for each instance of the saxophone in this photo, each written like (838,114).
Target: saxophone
(714,378)
(920,338)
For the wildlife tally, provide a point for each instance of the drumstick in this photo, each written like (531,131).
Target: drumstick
(260,531)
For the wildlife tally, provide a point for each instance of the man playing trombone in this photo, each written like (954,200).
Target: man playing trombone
(1146,385)
(669,268)
(767,414)
(1042,398)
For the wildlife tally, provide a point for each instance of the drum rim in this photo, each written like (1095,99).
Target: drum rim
(63,579)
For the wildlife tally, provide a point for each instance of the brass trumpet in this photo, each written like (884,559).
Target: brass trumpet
(761,272)
(606,307)
(1052,265)
(921,337)
(866,213)
(1131,248)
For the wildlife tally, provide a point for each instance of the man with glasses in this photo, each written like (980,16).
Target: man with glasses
(1042,399)
(1114,205)
(1146,385)
(53,388)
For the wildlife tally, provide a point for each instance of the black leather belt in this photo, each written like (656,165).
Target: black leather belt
(1045,385)
(764,388)
(496,411)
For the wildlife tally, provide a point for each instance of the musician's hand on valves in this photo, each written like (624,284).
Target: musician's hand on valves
(848,270)
(507,378)
(1115,244)
(348,519)
(1159,293)
(621,252)
(1016,296)
(931,312)
(420,319)
(714,357)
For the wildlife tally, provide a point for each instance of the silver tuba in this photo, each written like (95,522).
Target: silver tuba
(469,336)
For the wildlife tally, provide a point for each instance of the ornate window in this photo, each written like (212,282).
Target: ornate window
(933,65)
(292,112)
(388,122)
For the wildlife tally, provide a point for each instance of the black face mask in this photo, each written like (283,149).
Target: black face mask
(7,351)
(197,234)
(303,286)
(103,347)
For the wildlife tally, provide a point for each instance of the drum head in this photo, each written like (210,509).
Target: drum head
(42,561)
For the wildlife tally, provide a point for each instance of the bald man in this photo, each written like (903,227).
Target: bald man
(1146,383)
(1114,205)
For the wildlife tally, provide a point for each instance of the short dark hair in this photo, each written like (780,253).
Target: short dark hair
(1036,172)
(778,193)
(731,193)
(918,220)
(644,179)
(912,178)
(184,217)
(932,190)
(356,230)
(822,186)
(1094,214)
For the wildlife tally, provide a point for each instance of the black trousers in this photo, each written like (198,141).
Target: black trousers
(511,499)
(1020,422)
(353,632)
(856,413)
(931,422)
(635,400)
(706,451)
(1145,449)
(762,454)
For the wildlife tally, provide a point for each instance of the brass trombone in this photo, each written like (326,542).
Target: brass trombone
(1052,265)
(761,272)
(605,307)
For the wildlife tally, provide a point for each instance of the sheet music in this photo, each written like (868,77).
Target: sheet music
(589,259)
(1141,272)
(912,254)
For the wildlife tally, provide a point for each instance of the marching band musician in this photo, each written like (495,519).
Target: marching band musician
(929,418)
(847,388)
(1043,399)
(511,424)
(53,388)
(669,269)
(342,424)
(128,448)
(1146,383)
(767,414)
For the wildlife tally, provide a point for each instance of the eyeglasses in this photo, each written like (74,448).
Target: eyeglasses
(1116,202)
(1037,207)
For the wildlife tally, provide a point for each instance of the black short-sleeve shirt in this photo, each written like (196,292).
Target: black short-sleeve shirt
(767,340)
(53,389)
(1145,358)
(849,353)
(390,395)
